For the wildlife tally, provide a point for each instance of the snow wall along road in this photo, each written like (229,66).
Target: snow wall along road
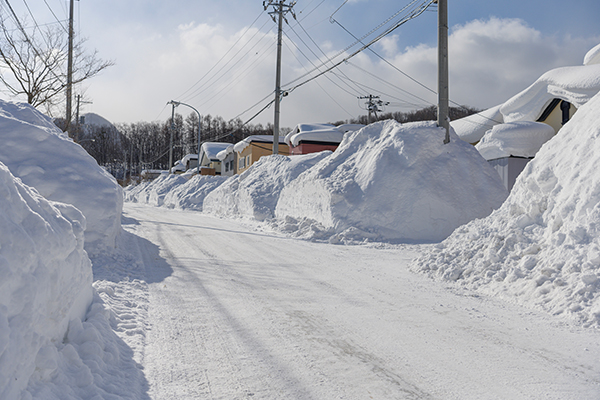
(542,247)
(39,153)
(45,281)
(394,182)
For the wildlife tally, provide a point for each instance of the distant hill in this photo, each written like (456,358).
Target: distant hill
(95,120)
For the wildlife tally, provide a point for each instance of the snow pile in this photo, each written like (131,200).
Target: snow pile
(517,139)
(542,247)
(394,182)
(46,281)
(190,195)
(154,192)
(36,151)
(255,192)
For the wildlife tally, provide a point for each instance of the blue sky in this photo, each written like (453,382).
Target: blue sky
(161,49)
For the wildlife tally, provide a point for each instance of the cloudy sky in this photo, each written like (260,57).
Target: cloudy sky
(220,56)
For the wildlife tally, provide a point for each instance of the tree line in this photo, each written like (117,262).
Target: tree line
(128,148)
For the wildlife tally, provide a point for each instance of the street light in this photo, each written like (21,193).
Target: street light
(178,103)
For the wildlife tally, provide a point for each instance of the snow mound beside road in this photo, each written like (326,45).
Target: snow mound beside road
(254,193)
(46,281)
(39,153)
(393,182)
(542,247)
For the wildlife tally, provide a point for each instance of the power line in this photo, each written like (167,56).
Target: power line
(224,55)
(415,13)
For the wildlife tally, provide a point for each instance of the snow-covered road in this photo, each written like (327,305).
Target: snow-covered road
(236,313)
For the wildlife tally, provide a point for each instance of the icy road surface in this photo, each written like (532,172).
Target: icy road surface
(235,313)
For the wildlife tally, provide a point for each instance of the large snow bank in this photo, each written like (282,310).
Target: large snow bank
(191,194)
(518,139)
(399,182)
(45,281)
(36,151)
(154,192)
(254,193)
(542,247)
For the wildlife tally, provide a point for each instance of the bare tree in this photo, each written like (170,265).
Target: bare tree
(34,64)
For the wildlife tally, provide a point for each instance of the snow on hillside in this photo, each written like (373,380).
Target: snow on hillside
(394,182)
(39,153)
(254,193)
(542,247)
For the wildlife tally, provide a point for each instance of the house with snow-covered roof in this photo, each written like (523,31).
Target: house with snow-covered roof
(510,134)
(228,161)
(252,148)
(312,138)
(210,163)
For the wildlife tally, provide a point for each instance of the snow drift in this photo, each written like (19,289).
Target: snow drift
(36,151)
(542,247)
(394,182)
(254,193)
(154,192)
(46,281)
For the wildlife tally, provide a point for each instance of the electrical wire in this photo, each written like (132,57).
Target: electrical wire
(224,72)
(224,55)
(415,13)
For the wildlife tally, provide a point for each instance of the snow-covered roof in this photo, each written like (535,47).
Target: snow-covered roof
(350,127)
(224,153)
(241,145)
(326,135)
(577,85)
(518,139)
(592,56)
(211,149)
(472,128)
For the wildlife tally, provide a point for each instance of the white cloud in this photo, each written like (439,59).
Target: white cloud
(490,61)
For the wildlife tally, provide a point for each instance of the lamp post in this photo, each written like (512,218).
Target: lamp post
(178,103)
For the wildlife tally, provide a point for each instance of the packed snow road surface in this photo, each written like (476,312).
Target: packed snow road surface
(235,313)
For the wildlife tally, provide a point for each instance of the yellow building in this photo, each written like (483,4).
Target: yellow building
(252,148)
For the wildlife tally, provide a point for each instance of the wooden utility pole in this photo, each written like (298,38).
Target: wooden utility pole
(279,8)
(443,93)
(70,69)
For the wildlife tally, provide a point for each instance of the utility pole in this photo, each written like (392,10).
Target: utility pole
(443,93)
(77,121)
(373,105)
(171,142)
(279,8)
(178,103)
(70,69)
